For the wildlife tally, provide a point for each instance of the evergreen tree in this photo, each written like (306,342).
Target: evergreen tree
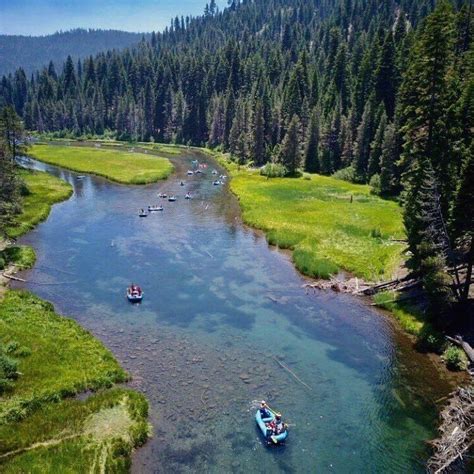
(376,147)
(426,97)
(11,135)
(311,152)
(386,75)
(463,222)
(290,151)
(365,133)
(69,77)
(388,161)
(257,135)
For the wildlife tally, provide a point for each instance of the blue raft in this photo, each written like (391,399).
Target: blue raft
(267,432)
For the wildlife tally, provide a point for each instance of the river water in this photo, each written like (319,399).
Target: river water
(220,310)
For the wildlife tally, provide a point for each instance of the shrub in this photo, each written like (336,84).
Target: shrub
(24,190)
(346,174)
(430,340)
(8,371)
(374,184)
(273,170)
(2,262)
(455,358)
(376,233)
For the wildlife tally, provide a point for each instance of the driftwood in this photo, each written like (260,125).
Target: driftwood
(458,340)
(283,366)
(399,284)
(353,285)
(456,434)
(11,277)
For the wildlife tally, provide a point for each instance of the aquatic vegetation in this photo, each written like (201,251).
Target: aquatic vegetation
(329,224)
(44,190)
(117,165)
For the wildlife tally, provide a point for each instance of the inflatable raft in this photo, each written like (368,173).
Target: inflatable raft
(134,295)
(267,432)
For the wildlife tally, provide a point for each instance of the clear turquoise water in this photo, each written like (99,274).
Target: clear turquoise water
(219,307)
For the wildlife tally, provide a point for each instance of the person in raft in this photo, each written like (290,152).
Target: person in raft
(277,426)
(264,412)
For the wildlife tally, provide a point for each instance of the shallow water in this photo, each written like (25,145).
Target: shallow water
(219,307)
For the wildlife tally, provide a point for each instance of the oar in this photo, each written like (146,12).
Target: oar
(271,410)
(289,425)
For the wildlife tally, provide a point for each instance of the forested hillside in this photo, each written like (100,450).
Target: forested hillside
(379,91)
(34,52)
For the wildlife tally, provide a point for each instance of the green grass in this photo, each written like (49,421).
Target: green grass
(44,191)
(65,359)
(315,218)
(21,256)
(163,148)
(74,435)
(117,165)
(43,429)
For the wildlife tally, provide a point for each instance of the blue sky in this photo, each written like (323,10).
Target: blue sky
(39,17)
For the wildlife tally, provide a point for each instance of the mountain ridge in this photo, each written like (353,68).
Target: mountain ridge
(35,52)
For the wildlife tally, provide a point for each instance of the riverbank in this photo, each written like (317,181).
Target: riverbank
(47,360)
(119,165)
(330,225)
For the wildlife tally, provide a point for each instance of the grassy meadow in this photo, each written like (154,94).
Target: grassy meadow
(315,218)
(118,165)
(44,190)
(42,429)
(62,358)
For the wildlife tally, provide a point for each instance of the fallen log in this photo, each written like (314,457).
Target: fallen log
(11,277)
(458,340)
(402,284)
(283,366)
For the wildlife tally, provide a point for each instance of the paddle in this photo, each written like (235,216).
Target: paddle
(275,412)
(271,410)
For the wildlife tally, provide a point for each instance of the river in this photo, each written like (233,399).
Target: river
(220,306)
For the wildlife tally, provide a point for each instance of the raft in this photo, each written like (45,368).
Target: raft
(267,432)
(134,298)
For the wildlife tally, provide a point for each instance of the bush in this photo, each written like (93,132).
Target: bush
(430,340)
(273,170)
(346,174)
(8,371)
(455,358)
(24,190)
(376,233)
(374,184)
